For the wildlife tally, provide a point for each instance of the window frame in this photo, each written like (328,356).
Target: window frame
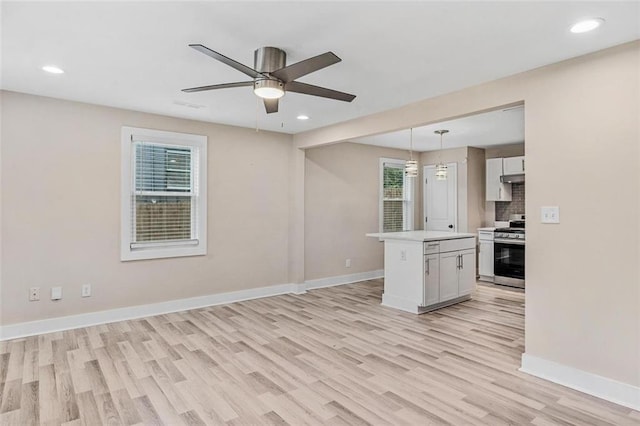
(408,195)
(198,245)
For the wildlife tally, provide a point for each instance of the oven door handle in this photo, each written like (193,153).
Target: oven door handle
(509,241)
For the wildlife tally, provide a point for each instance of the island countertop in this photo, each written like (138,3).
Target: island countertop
(421,235)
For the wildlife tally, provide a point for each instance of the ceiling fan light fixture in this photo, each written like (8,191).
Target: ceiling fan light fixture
(268,89)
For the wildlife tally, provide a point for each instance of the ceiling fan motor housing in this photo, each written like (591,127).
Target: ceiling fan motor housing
(269,59)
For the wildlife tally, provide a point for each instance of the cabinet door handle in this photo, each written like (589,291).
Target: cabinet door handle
(458,261)
(499,193)
(428,268)
(461,262)
(523,164)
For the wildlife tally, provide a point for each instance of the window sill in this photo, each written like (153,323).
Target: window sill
(148,253)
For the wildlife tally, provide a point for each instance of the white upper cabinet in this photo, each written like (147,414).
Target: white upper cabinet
(496,190)
(513,165)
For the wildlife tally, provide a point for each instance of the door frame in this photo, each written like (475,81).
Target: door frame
(450,166)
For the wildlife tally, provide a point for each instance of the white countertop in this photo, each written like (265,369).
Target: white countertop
(422,235)
(493,228)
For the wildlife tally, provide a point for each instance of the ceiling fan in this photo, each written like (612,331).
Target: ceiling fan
(272,77)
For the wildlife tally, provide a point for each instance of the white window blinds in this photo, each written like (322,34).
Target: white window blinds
(164,194)
(396,199)
(392,197)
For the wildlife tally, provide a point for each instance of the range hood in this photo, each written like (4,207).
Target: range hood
(517,178)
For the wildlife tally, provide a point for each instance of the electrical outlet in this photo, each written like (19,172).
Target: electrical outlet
(403,255)
(86,290)
(34,294)
(56,293)
(347,263)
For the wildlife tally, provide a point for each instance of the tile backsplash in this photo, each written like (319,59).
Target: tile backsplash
(516,206)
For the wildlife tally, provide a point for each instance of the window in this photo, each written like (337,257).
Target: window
(164,206)
(396,197)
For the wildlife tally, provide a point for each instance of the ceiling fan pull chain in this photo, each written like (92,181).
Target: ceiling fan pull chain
(257,113)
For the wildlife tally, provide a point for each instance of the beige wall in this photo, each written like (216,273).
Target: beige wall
(583,306)
(583,292)
(341,206)
(476,165)
(61,210)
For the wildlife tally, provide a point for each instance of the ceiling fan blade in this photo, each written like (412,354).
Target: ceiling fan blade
(305,67)
(228,61)
(218,86)
(271,105)
(308,89)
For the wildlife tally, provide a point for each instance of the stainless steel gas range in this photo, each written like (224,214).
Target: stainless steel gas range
(508,251)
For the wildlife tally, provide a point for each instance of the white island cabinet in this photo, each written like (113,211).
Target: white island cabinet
(427,270)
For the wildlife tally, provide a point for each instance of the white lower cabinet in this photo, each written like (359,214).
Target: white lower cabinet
(467,272)
(457,274)
(485,256)
(486,260)
(449,276)
(431,279)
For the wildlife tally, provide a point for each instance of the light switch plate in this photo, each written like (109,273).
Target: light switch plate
(550,214)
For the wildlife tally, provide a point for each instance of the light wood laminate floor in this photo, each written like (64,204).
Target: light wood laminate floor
(331,356)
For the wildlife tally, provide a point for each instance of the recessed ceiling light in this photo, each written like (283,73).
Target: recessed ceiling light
(52,69)
(586,25)
(302,117)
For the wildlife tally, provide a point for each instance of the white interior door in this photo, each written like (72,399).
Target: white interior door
(441,199)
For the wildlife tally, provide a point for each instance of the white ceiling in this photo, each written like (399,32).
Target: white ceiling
(500,127)
(134,54)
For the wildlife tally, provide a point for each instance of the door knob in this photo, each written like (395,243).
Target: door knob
(450,226)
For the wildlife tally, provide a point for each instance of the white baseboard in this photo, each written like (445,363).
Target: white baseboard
(50,325)
(592,384)
(299,288)
(343,279)
(400,303)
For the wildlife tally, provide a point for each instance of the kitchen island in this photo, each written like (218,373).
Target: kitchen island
(427,270)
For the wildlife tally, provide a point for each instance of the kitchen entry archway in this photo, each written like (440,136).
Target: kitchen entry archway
(440,199)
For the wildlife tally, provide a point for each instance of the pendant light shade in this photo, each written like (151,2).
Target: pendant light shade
(411,166)
(441,168)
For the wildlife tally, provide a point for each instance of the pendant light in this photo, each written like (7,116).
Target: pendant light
(441,168)
(411,166)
